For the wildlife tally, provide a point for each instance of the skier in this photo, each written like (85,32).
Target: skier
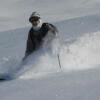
(37,33)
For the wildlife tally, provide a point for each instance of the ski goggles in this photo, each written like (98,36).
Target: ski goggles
(34,19)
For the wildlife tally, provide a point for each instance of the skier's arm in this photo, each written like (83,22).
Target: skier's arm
(30,45)
(52,28)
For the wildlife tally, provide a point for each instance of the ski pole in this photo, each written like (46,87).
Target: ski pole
(59,61)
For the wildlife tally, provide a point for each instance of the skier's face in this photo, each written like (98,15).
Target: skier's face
(35,21)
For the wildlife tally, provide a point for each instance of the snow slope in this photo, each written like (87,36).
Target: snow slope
(78,48)
(82,85)
(43,80)
(53,10)
(40,77)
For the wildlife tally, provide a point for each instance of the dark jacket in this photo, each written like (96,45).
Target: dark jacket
(35,38)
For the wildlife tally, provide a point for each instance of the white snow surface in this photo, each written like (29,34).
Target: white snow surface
(15,13)
(77,43)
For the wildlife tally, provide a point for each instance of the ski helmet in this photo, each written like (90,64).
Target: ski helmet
(34,15)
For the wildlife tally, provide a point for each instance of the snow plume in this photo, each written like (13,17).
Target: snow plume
(82,53)
(41,62)
(78,54)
